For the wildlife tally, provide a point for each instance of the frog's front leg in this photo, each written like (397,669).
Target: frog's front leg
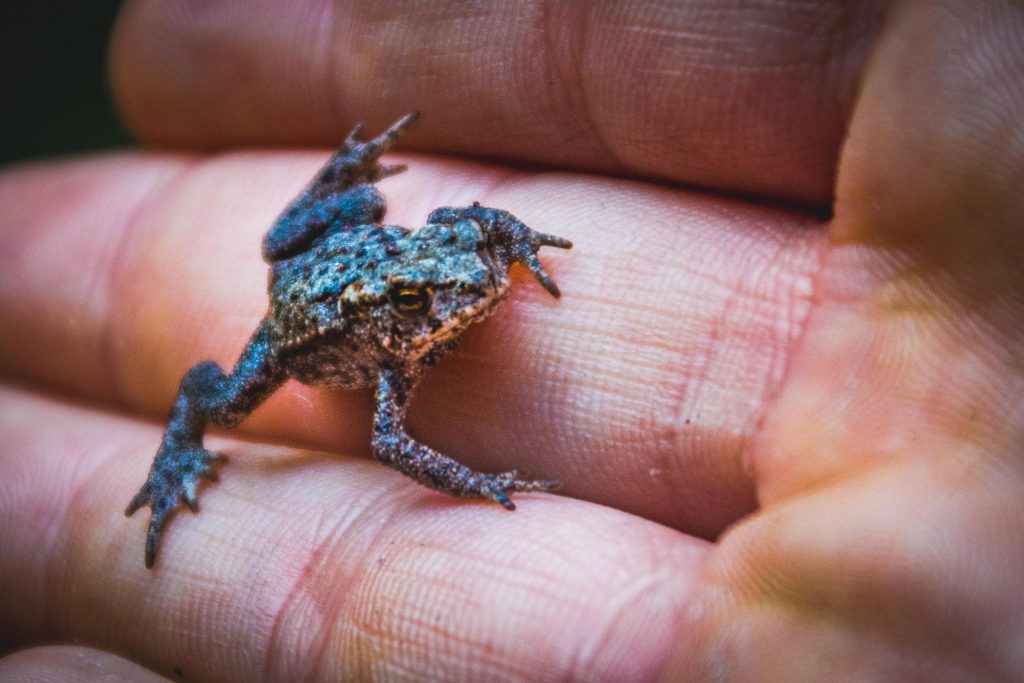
(392,446)
(206,394)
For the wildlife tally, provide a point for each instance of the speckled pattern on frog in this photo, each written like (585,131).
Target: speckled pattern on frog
(354,303)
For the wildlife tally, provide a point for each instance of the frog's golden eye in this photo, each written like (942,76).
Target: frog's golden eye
(410,300)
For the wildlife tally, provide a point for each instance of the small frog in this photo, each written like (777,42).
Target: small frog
(354,303)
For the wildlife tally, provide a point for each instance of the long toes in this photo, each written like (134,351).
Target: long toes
(188,495)
(371,151)
(513,481)
(355,136)
(162,506)
(140,499)
(388,171)
(547,240)
(538,485)
(398,127)
(533,264)
(208,472)
(510,482)
(153,541)
(505,501)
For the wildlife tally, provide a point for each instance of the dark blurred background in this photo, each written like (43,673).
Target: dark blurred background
(56,99)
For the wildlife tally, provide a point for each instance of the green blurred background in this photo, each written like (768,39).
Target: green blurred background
(56,97)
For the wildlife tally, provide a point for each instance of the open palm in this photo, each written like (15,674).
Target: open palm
(785,402)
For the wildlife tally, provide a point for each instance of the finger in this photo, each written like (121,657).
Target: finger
(916,341)
(641,388)
(59,254)
(70,664)
(908,570)
(306,567)
(752,98)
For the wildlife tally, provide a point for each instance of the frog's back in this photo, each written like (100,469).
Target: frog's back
(323,340)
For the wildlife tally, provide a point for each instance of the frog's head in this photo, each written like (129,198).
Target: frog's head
(436,281)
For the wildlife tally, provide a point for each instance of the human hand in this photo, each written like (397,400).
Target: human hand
(791,446)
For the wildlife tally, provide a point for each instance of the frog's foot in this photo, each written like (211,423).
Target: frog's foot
(173,479)
(497,487)
(515,241)
(357,160)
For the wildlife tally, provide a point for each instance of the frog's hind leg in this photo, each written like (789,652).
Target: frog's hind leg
(341,194)
(205,395)
(392,446)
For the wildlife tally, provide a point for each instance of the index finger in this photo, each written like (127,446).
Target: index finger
(752,97)
(341,573)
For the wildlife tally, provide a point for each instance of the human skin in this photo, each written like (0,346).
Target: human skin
(782,387)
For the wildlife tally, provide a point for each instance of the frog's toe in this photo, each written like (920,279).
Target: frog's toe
(499,487)
(173,480)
